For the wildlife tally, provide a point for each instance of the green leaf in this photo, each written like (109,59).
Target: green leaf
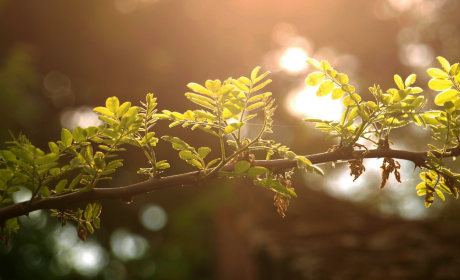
(13,189)
(108,120)
(444,63)
(242,166)
(97,222)
(439,84)
(61,186)
(200,89)
(53,147)
(7,155)
(123,109)
(233,127)
(437,73)
(47,158)
(45,192)
(129,117)
(6,201)
(104,111)
(112,103)
(325,88)
(256,171)
(203,151)
(399,82)
(195,162)
(66,137)
(88,211)
(90,228)
(315,78)
(178,144)
(448,95)
(212,162)
(79,134)
(186,155)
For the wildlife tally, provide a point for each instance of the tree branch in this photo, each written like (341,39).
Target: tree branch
(128,192)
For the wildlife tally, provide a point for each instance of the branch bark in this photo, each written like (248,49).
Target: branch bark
(128,192)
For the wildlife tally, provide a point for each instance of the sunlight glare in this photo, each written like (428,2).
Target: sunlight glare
(305,103)
(294,60)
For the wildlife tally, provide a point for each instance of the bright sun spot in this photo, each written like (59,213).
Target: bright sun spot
(294,60)
(305,103)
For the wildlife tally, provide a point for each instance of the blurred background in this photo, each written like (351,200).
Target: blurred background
(60,59)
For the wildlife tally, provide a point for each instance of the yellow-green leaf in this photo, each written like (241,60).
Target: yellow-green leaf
(123,109)
(448,95)
(233,127)
(410,80)
(348,88)
(444,63)
(401,94)
(348,101)
(439,84)
(325,65)
(190,95)
(399,82)
(112,103)
(315,78)
(437,73)
(224,90)
(240,85)
(313,62)
(254,73)
(242,166)
(200,89)
(255,106)
(104,111)
(337,93)
(325,88)
(342,79)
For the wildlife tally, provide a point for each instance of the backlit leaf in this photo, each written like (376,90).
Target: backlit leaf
(410,80)
(439,84)
(233,127)
(448,95)
(325,88)
(112,103)
(337,93)
(200,89)
(315,78)
(444,63)
(399,82)
(437,73)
